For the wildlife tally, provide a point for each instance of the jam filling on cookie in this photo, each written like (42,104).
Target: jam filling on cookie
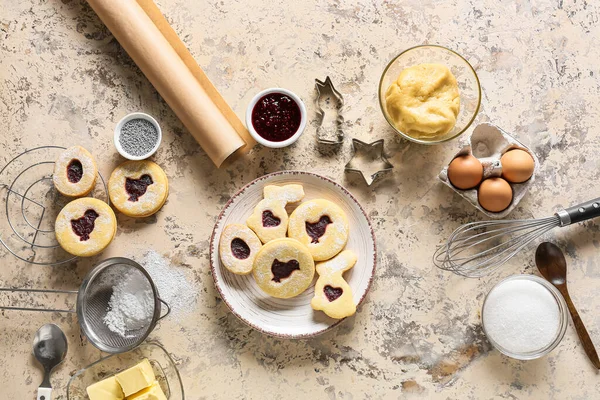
(136,188)
(74,171)
(269,220)
(84,225)
(240,249)
(282,270)
(332,293)
(317,229)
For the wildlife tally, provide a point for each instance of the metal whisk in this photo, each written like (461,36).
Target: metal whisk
(478,248)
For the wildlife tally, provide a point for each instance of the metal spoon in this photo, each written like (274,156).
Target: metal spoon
(553,266)
(49,348)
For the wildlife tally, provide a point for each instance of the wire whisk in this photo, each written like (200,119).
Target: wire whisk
(478,248)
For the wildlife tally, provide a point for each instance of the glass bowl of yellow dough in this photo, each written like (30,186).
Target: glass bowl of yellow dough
(429,94)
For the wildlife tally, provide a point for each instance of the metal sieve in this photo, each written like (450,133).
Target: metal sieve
(92,303)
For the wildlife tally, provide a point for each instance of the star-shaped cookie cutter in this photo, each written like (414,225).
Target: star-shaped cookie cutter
(332,132)
(368,160)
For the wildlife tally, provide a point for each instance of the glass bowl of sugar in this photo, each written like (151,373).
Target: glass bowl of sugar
(524,317)
(137,136)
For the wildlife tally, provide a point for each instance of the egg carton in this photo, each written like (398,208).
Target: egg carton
(488,143)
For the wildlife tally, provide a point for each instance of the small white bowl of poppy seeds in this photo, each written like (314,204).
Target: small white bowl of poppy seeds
(137,136)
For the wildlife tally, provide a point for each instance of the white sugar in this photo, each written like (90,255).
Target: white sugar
(521,316)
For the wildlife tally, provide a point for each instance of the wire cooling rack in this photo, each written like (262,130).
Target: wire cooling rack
(32,204)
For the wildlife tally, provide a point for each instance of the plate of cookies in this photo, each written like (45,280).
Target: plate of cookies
(293,254)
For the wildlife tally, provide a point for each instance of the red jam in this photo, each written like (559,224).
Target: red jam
(74,171)
(240,249)
(283,270)
(317,229)
(269,220)
(332,293)
(276,117)
(84,225)
(136,188)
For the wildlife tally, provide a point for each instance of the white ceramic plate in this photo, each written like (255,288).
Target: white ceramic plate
(291,318)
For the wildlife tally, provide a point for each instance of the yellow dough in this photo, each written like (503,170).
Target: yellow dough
(333,295)
(238,248)
(424,101)
(75,172)
(270,219)
(283,268)
(93,219)
(321,226)
(138,188)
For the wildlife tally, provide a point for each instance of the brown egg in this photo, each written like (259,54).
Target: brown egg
(465,172)
(495,194)
(517,166)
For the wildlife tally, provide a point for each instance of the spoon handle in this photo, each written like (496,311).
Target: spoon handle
(44,393)
(586,341)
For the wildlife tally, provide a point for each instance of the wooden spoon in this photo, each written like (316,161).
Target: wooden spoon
(553,266)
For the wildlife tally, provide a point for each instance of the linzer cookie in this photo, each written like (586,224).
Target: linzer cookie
(321,226)
(138,188)
(238,248)
(75,172)
(270,219)
(333,295)
(85,226)
(283,268)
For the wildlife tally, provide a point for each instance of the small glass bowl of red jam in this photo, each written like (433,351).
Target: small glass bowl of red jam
(276,117)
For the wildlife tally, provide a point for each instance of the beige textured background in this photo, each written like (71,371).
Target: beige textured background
(65,80)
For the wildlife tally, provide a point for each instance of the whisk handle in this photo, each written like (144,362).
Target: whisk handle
(582,212)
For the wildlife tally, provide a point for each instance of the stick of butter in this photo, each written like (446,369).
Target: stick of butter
(107,389)
(153,392)
(136,378)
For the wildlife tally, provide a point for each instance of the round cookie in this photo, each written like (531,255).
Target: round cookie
(238,248)
(321,226)
(283,268)
(269,220)
(138,188)
(85,226)
(75,172)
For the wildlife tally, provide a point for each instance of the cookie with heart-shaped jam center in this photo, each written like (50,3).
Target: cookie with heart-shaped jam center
(270,219)
(138,188)
(238,248)
(283,268)
(85,226)
(75,172)
(322,226)
(333,295)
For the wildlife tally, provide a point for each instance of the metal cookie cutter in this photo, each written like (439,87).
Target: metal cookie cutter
(330,120)
(368,160)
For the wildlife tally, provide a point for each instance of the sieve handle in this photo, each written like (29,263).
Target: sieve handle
(37,291)
(168,309)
